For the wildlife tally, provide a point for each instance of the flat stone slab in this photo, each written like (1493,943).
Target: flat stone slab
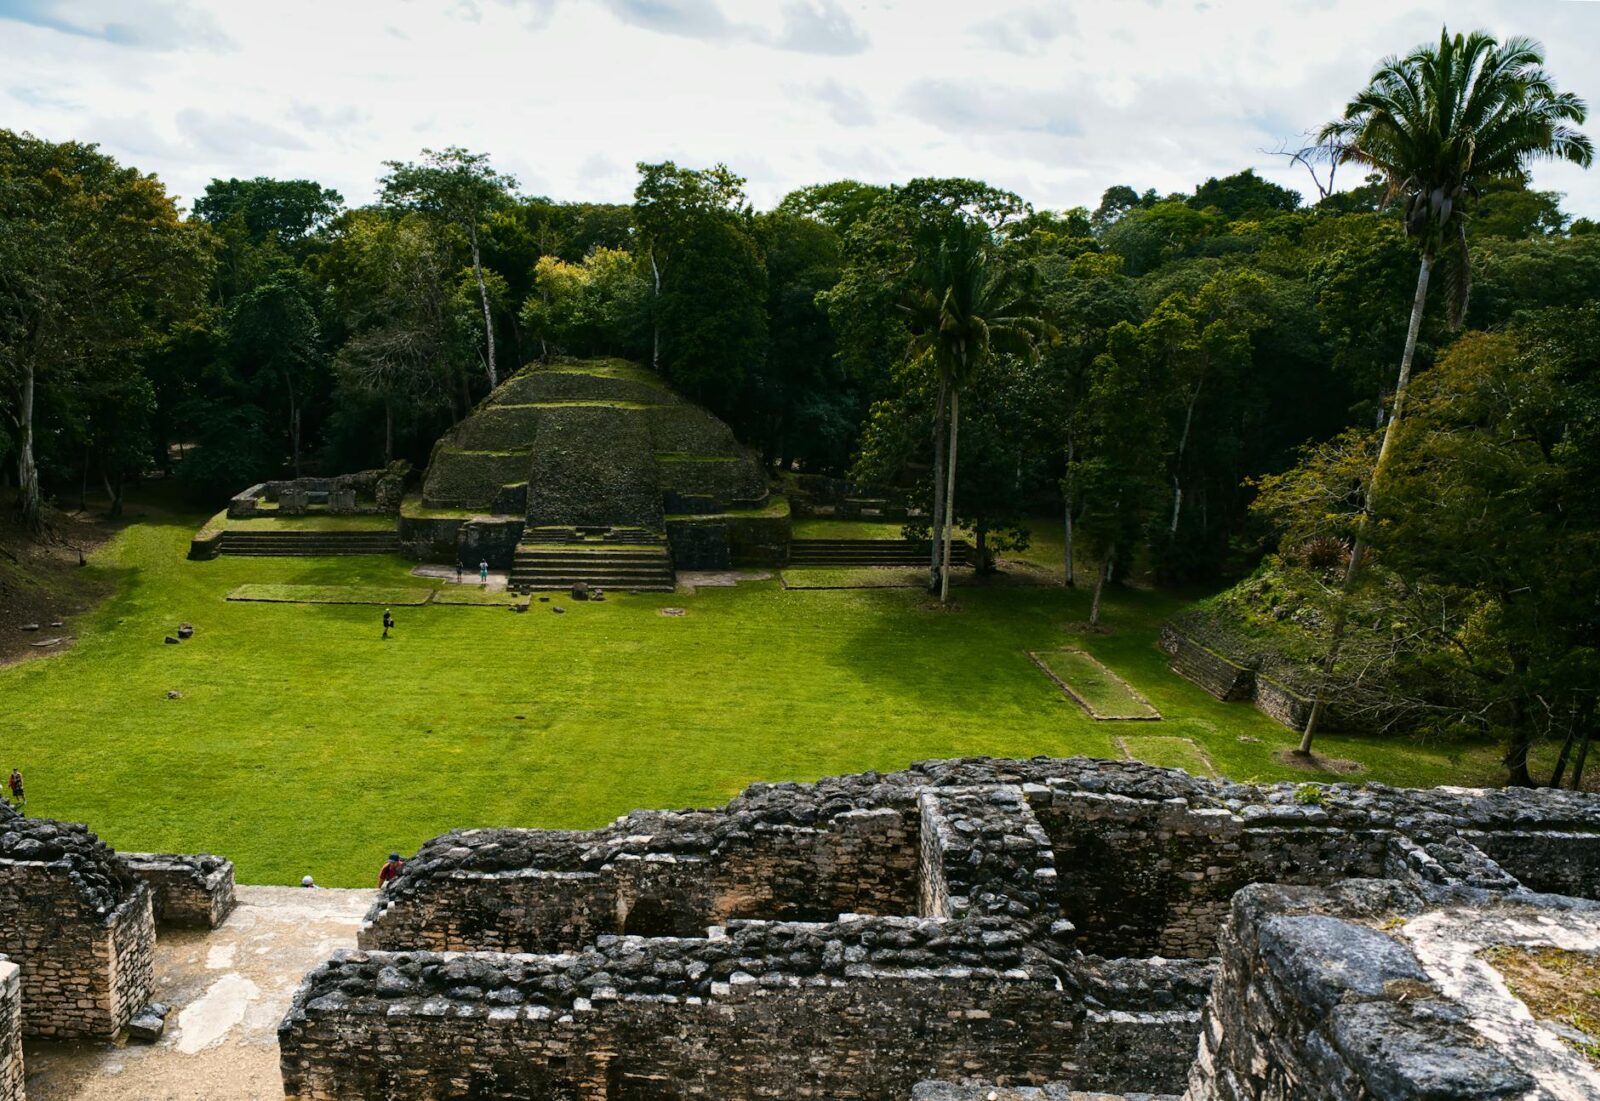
(227,989)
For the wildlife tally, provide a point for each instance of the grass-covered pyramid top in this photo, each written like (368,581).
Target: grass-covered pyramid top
(591,442)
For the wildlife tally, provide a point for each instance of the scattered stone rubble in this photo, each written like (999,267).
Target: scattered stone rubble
(1022,929)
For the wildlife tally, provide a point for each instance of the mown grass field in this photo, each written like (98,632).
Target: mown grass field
(302,743)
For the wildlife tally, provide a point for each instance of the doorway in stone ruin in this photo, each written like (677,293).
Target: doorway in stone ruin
(650,917)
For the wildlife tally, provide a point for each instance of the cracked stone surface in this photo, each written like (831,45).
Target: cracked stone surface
(228,988)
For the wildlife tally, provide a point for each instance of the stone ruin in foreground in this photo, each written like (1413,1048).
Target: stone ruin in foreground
(963,930)
(78,928)
(971,930)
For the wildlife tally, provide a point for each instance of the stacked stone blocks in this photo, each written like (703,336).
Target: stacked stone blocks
(80,927)
(1047,924)
(187,890)
(10,1031)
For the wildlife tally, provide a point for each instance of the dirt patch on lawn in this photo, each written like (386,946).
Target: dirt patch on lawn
(42,584)
(1311,762)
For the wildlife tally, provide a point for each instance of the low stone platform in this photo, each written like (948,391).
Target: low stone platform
(189,890)
(228,989)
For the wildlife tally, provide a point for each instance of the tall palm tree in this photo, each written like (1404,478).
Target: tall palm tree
(1435,123)
(964,305)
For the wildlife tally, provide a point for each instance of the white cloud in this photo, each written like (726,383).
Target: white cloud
(1058,99)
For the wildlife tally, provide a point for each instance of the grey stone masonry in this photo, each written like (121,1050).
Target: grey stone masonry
(845,1010)
(195,890)
(1375,991)
(1049,925)
(79,925)
(10,1031)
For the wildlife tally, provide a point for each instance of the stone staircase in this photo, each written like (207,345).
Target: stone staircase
(634,559)
(308,543)
(870,552)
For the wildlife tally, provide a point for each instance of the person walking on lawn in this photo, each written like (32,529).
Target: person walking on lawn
(17,795)
(388,622)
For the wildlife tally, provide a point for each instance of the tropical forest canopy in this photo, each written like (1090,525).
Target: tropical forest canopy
(1197,383)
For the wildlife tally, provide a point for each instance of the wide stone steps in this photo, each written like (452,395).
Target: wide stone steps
(281,544)
(870,552)
(637,567)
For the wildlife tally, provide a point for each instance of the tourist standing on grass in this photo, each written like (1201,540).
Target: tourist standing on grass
(483,572)
(458,571)
(388,622)
(387,874)
(17,796)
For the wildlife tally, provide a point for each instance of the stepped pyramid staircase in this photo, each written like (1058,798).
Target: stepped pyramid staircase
(871,552)
(552,558)
(279,544)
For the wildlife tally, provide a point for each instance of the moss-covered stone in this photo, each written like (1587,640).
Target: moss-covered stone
(595,442)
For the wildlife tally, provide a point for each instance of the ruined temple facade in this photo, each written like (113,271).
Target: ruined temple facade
(594,470)
(971,929)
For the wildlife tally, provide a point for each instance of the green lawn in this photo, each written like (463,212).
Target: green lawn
(857,577)
(302,743)
(313,522)
(1107,694)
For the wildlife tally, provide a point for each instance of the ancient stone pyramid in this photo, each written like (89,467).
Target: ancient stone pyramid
(591,443)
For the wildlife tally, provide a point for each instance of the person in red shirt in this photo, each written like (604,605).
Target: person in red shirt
(17,796)
(387,874)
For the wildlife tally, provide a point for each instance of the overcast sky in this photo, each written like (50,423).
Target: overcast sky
(1056,100)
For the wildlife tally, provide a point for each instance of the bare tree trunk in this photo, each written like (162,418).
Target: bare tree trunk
(1583,755)
(114,491)
(1100,585)
(950,496)
(1067,497)
(1521,738)
(1357,552)
(937,519)
(294,428)
(1177,466)
(655,316)
(27,468)
(388,430)
(488,321)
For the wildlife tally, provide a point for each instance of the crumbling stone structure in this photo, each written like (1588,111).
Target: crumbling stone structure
(365,493)
(10,1031)
(187,890)
(1380,990)
(1045,925)
(79,925)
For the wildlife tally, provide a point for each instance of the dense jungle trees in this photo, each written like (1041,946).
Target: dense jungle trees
(1185,384)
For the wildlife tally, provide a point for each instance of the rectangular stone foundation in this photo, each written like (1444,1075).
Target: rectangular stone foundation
(850,938)
(10,1031)
(845,1012)
(84,974)
(194,891)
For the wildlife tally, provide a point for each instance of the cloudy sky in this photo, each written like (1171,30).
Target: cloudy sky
(1055,99)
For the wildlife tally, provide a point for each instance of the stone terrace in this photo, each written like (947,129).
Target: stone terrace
(79,925)
(1021,923)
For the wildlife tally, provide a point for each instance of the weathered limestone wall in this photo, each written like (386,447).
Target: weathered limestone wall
(1373,991)
(84,972)
(10,1031)
(921,925)
(1559,862)
(649,874)
(1222,677)
(78,923)
(187,890)
(848,1010)
(1144,878)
